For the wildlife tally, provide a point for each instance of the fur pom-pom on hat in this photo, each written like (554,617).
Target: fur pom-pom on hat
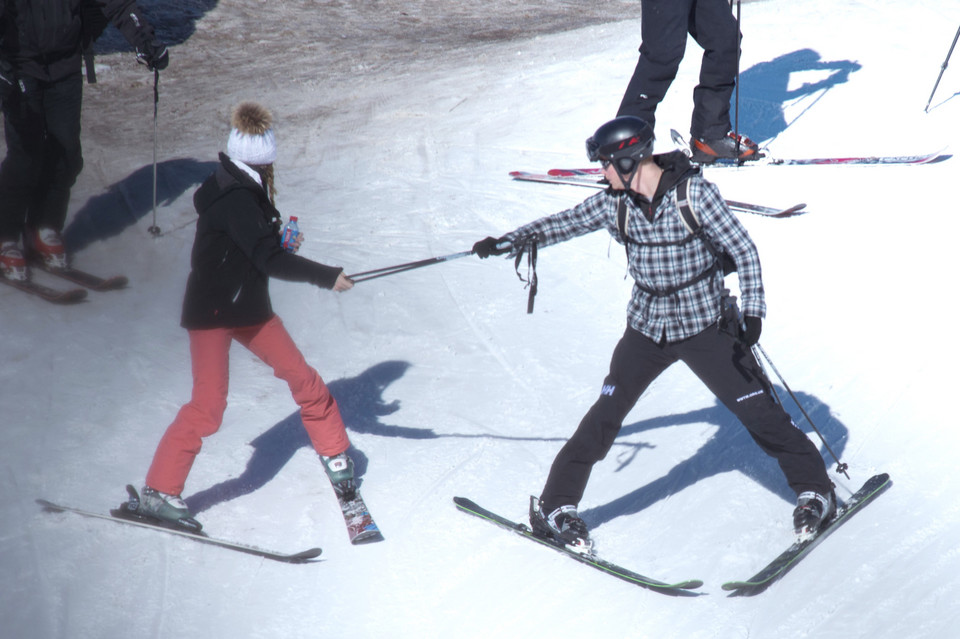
(251,138)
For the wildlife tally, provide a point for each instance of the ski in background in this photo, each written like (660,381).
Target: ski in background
(587,177)
(52,295)
(763,160)
(83,278)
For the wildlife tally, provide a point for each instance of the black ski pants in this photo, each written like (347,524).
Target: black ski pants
(664,25)
(728,369)
(42,130)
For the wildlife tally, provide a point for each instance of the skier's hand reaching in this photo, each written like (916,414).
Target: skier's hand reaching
(491,246)
(343,283)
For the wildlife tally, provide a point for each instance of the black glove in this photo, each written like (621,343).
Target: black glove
(750,331)
(154,55)
(491,246)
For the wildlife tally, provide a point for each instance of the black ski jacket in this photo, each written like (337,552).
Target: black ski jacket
(43,38)
(235,252)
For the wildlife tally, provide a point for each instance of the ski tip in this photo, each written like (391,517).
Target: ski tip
(367,537)
(305,555)
(690,584)
(743,588)
(49,506)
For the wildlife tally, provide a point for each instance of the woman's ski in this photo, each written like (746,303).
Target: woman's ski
(123,517)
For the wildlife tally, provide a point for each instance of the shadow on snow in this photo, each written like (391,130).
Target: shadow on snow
(173,21)
(127,201)
(362,406)
(765,90)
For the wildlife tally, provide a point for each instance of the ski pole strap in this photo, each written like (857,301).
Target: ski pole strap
(529,246)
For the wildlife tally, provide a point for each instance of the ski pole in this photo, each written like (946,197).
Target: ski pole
(943,68)
(409,266)
(841,467)
(736,102)
(155,230)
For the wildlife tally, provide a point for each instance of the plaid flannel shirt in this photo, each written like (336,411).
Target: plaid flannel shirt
(690,310)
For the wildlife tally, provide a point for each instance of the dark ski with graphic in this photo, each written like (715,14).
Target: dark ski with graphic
(792,555)
(52,295)
(123,515)
(682,588)
(360,525)
(592,178)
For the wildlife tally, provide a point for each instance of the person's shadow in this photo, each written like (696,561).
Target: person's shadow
(361,405)
(127,201)
(730,449)
(765,90)
(173,23)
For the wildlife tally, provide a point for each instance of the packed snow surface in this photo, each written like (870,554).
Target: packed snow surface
(398,123)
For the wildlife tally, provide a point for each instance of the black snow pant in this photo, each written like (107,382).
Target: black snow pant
(728,369)
(42,129)
(664,25)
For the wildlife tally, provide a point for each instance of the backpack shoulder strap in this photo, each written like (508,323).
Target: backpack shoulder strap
(687,216)
(623,213)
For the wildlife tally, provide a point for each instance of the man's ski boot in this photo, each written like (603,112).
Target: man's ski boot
(731,147)
(12,264)
(813,509)
(152,506)
(47,245)
(563,525)
(339,470)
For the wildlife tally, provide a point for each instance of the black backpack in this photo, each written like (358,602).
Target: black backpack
(690,220)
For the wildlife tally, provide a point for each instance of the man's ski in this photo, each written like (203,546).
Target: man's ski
(121,516)
(789,558)
(56,296)
(85,279)
(682,588)
(592,178)
(360,525)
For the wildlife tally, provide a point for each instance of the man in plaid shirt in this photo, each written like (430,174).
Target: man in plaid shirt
(674,314)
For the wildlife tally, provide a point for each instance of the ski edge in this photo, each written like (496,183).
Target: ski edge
(304,556)
(679,588)
(870,490)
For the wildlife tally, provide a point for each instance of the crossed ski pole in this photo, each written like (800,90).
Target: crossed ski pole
(409,266)
(373,274)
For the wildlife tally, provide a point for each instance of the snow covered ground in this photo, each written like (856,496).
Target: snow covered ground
(398,123)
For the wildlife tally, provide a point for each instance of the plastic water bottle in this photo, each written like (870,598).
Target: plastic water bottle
(289,236)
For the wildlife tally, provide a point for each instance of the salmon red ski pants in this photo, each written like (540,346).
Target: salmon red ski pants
(203,414)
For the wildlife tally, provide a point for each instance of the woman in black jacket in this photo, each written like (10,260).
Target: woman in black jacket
(236,250)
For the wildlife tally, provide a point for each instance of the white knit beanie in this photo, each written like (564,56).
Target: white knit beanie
(251,138)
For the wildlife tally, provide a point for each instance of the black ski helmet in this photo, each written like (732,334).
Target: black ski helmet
(624,141)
